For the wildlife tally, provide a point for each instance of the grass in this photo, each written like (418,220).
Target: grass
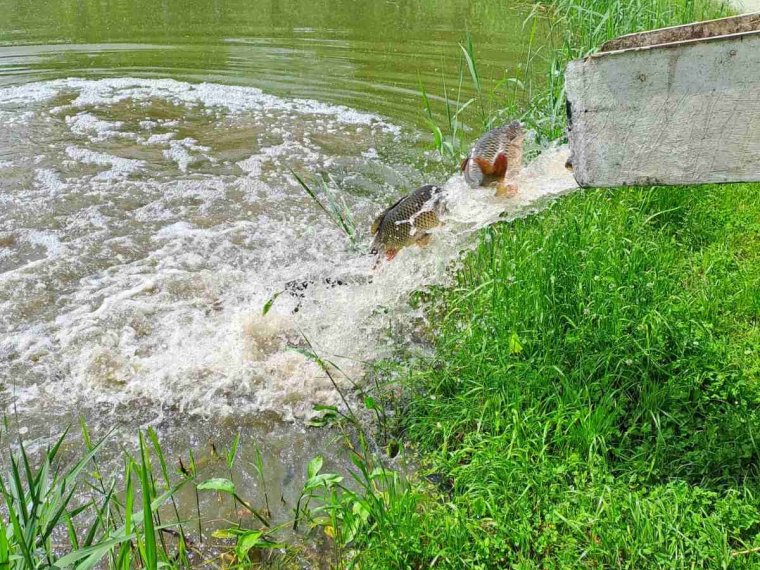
(594,400)
(334,206)
(75,516)
(45,512)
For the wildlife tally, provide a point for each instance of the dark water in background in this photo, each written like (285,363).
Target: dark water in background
(369,55)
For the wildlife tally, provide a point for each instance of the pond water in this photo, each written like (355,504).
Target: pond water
(366,55)
(149,210)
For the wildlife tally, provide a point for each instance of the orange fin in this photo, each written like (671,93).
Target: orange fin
(500,165)
(484,165)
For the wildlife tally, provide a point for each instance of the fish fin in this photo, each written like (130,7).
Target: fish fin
(500,165)
(464,163)
(485,166)
(390,254)
(473,173)
(377,222)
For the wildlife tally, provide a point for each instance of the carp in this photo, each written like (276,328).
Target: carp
(408,221)
(497,155)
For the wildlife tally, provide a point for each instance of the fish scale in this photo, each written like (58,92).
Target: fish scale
(408,220)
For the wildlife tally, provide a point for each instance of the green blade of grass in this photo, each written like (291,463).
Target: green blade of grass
(146,486)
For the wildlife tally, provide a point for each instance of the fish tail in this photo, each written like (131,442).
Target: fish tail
(473,174)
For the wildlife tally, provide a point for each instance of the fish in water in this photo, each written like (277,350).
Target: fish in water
(408,221)
(497,155)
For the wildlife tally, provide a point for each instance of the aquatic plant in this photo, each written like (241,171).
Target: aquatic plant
(44,503)
(334,205)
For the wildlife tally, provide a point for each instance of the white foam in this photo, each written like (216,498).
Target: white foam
(251,165)
(179,152)
(163,138)
(153,286)
(47,239)
(49,181)
(87,124)
(233,99)
(119,167)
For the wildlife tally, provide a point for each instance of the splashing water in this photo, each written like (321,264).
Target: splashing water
(146,223)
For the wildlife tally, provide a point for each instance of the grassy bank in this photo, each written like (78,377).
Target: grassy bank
(594,400)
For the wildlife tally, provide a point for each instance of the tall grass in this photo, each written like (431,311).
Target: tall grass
(559,31)
(594,396)
(45,503)
(77,516)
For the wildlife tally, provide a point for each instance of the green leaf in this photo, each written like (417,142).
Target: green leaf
(93,552)
(96,552)
(514,344)
(232,453)
(129,500)
(4,549)
(325,479)
(330,416)
(224,533)
(314,466)
(270,302)
(246,542)
(470,59)
(370,403)
(218,484)
(151,551)
(361,510)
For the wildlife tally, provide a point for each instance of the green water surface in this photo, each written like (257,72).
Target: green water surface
(370,55)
